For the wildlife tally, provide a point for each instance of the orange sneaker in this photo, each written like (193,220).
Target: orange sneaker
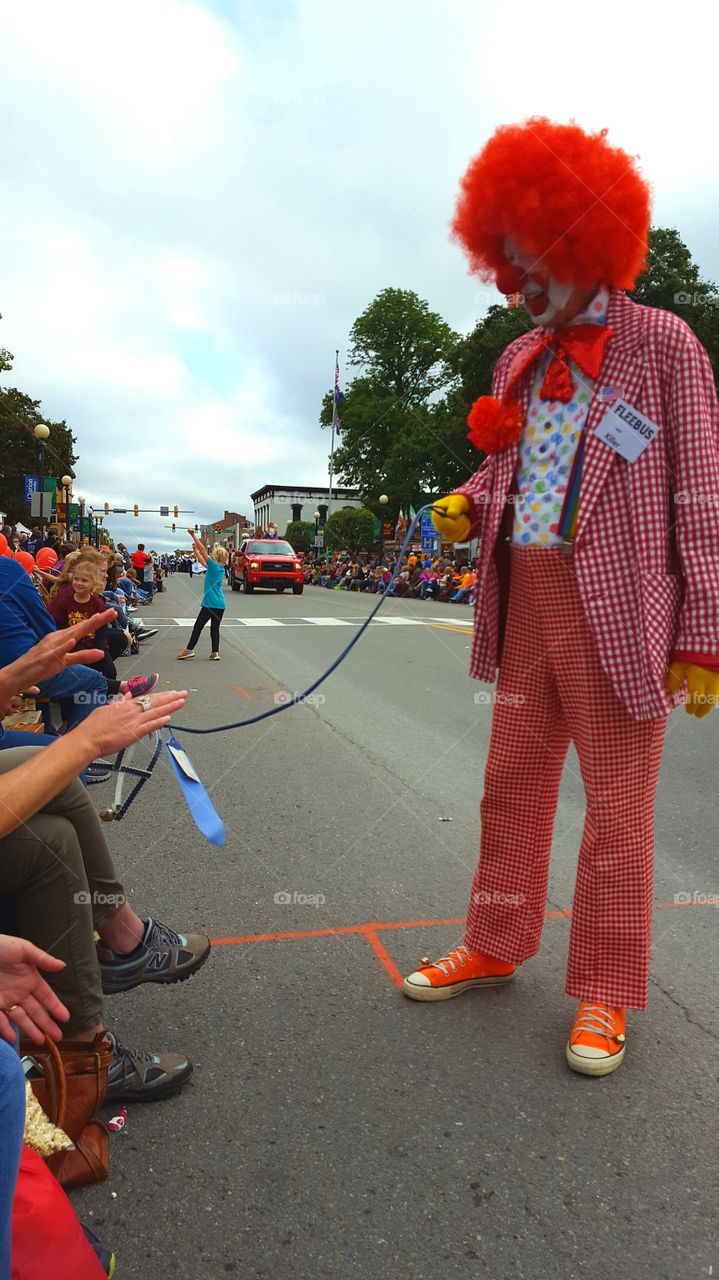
(597,1040)
(455,973)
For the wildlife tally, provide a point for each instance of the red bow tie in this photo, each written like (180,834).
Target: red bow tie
(582,343)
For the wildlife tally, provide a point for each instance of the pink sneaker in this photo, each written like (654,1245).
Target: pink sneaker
(139,685)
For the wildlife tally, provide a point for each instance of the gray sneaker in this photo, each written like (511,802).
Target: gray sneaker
(162,956)
(136,1076)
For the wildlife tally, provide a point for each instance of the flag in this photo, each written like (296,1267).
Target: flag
(338,399)
(400,528)
(412,514)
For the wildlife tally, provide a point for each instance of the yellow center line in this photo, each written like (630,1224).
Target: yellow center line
(449,626)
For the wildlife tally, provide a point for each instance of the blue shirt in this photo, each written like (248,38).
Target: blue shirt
(23,617)
(213,596)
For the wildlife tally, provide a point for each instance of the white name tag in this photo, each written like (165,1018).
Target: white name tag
(626,430)
(184,762)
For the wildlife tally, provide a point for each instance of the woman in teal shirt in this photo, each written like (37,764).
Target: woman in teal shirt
(213,598)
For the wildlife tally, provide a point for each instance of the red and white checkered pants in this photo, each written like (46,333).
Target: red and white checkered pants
(552,691)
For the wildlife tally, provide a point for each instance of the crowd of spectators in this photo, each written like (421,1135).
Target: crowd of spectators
(420,577)
(68,935)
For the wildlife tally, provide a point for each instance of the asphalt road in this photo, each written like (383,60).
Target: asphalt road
(334,1128)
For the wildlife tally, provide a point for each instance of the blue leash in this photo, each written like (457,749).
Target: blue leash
(301,697)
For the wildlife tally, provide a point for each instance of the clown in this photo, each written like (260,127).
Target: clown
(598,566)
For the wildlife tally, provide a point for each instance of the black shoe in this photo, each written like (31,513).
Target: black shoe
(144,633)
(136,1076)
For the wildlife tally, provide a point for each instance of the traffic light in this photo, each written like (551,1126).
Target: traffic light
(173,528)
(175,511)
(136,510)
(107,508)
(197,528)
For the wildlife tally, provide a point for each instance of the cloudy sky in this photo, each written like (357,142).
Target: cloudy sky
(200,197)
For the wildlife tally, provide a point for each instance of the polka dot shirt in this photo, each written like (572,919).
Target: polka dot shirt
(548,445)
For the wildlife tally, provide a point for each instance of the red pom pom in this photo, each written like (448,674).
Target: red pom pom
(494,426)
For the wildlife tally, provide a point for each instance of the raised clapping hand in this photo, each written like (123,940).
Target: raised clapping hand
(118,724)
(26,1000)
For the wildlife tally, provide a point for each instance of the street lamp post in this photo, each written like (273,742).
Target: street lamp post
(383,500)
(317,527)
(66,483)
(41,432)
(81,504)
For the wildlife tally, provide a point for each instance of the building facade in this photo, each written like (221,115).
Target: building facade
(279,504)
(228,530)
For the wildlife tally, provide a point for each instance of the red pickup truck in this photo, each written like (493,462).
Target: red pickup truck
(266,562)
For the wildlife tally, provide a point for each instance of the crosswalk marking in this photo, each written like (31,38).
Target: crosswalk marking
(261,622)
(320,621)
(329,622)
(400,622)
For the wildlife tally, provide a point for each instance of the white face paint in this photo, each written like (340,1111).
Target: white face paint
(544,297)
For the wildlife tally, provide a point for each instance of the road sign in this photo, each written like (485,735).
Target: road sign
(427,529)
(164,511)
(30,485)
(41,504)
(319,540)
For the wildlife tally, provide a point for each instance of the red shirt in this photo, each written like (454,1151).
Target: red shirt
(139,560)
(66,611)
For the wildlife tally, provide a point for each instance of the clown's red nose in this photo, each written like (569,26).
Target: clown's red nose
(509,279)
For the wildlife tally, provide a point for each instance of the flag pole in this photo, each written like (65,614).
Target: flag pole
(334,423)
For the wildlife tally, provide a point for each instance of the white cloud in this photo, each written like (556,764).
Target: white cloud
(198,204)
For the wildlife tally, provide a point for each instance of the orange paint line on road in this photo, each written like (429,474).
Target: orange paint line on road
(238,689)
(383,956)
(374,927)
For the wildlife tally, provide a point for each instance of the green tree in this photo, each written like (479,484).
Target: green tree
(6,359)
(402,351)
(350,529)
(402,346)
(298,533)
(672,281)
(18,451)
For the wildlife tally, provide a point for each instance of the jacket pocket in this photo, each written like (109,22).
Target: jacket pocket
(661,602)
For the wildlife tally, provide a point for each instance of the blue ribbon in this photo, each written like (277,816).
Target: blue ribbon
(204,814)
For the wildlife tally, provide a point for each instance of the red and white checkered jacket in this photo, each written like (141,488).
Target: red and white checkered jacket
(646,552)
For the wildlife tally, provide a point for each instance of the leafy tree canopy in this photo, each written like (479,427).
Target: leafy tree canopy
(350,529)
(18,416)
(298,533)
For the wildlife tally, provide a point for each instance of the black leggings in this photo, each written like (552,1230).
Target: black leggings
(214,617)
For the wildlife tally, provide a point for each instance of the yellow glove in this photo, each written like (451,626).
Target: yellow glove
(450,517)
(702,686)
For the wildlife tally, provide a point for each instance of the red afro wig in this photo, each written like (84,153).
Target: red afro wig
(565,195)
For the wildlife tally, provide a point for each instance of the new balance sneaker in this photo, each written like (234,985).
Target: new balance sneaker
(137,1076)
(105,1256)
(185,653)
(454,973)
(162,956)
(214,657)
(597,1040)
(98,770)
(138,686)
